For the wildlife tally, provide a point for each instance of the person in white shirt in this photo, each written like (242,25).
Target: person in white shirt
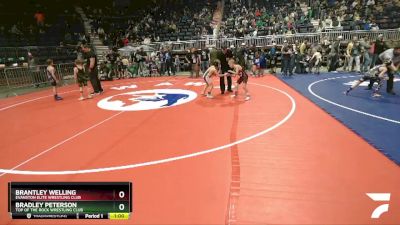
(315,62)
(370,2)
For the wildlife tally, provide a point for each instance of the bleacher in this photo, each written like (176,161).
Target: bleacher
(179,13)
(20,31)
(13,56)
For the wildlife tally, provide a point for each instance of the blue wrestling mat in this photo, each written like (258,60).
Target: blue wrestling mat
(377,120)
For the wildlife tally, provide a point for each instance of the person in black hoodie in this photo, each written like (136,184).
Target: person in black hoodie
(223,56)
(91,68)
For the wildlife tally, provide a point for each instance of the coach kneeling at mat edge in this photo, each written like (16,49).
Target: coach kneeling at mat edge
(91,68)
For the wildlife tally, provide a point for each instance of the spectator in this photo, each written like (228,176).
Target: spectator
(286,59)
(355,54)
(370,2)
(141,59)
(169,63)
(273,58)
(333,57)
(126,41)
(380,46)
(205,59)
(34,70)
(194,62)
(161,59)
(39,16)
(112,57)
(365,49)
(177,64)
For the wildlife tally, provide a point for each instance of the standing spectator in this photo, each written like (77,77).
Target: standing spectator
(256,65)
(135,63)
(349,49)
(213,54)
(303,47)
(112,58)
(251,52)
(365,48)
(380,46)
(239,55)
(286,58)
(120,68)
(205,59)
(300,63)
(34,70)
(125,65)
(39,16)
(169,63)
(194,60)
(177,63)
(101,33)
(333,57)
(91,68)
(263,62)
(161,59)
(272,58)
(141,59)
(295,52)
(355,55)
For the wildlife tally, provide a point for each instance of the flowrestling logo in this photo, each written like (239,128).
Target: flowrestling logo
(147,100)
(380,197)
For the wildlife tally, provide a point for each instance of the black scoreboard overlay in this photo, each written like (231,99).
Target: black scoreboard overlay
(70,200)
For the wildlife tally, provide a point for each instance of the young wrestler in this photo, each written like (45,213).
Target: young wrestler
(377,73)
(241,81)
(207,76)
(81,78)
(51,75)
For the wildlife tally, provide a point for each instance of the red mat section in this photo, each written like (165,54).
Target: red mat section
(308,169)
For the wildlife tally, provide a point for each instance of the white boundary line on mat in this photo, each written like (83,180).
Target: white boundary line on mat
(161,161)
(46,96)
(346,107)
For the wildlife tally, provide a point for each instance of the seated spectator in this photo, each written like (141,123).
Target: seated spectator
(370,2)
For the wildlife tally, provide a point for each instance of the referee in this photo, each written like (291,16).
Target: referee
(91,68)
(223,56)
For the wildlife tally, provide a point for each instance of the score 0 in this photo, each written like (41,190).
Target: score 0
(122,195)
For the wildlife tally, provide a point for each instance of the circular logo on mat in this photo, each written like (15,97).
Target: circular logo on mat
(147,100)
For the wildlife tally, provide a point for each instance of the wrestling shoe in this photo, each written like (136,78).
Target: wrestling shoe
(376,95)
(57,98)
